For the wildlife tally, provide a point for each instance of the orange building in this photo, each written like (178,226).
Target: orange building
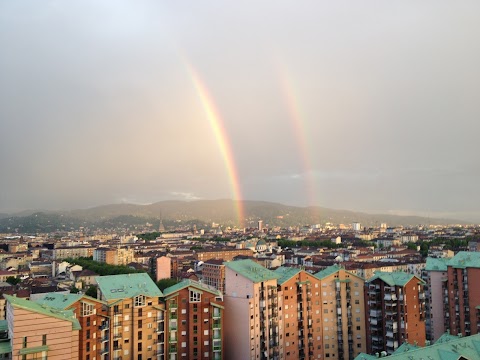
(213,274)
(396,311)
(194,318)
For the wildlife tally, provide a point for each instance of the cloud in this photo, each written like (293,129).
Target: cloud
(188,196)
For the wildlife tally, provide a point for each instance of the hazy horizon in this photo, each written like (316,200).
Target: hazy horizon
(369,106)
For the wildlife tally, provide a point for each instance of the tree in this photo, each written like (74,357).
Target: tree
(165,283)
(12,280)
(91,291)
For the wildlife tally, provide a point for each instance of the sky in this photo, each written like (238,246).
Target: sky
(363,105)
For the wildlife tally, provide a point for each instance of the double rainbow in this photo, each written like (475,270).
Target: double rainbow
(221,137)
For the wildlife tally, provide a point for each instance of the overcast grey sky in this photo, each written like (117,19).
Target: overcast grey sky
(362,105)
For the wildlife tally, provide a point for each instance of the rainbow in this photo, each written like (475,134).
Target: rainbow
(296,116)
(221,136)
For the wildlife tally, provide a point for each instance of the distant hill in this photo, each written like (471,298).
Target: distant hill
(202,212)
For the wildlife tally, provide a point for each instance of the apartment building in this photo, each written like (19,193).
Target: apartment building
(252,322)
(435,276)
(72,252)
(116,256)
(39,332)
(224,254)
(136,312)
(302,316)
(163,268)
(92,316)
(213,274)
(462,294)
(343,313)
(395,310)
(194,319)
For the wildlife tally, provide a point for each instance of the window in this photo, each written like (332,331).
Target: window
(140,313)
(195,296)
(44,339)
(139,300)
(87,309)
(88,321)
(139,335)
(25,342)
(88,346)
(139,346)
(88,334)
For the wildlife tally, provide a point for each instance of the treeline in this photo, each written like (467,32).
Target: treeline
(102,268)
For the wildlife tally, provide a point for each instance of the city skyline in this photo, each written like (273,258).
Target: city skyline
(368,107)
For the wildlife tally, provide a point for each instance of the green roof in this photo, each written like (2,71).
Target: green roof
(405,347)
(3,325)
(453,348)
(397,278)
(327,271)
(190,283)
(434,264)
(127,286)
(62,301)
(464,259)
(286,273)
(5,347)
(251,270)
(67,315)
(33,350)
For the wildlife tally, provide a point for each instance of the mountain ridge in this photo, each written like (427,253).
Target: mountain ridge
(206,212)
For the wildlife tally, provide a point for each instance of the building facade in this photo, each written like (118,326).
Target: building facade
(395,310)
(252,322)
(136,311)
(194,321)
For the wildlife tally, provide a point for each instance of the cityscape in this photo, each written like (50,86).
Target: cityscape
(243,180)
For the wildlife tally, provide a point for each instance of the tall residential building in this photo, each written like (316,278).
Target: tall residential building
(252,322)
(136,313)
(395,310)
(92,316)
(435,275)
(40,332)
(343,313)
(194,321)
(462,294)
(302,335)
(213,274)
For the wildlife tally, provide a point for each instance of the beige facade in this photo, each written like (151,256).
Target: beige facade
(37,335)
(343,313)
(252,322)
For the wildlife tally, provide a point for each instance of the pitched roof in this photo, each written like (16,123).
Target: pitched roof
(397,278)
(251,270)
(190,283)
(327,271)
(452,348)
(62,301)
(434,264)
(127,286)
(286,273)
(29,305)
(464,259)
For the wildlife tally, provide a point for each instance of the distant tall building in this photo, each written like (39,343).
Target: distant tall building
(260,225)
(161,227)
(356,226)
(396,311)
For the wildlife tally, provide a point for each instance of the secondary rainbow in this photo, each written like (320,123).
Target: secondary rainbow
(297,116)
(221,137)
